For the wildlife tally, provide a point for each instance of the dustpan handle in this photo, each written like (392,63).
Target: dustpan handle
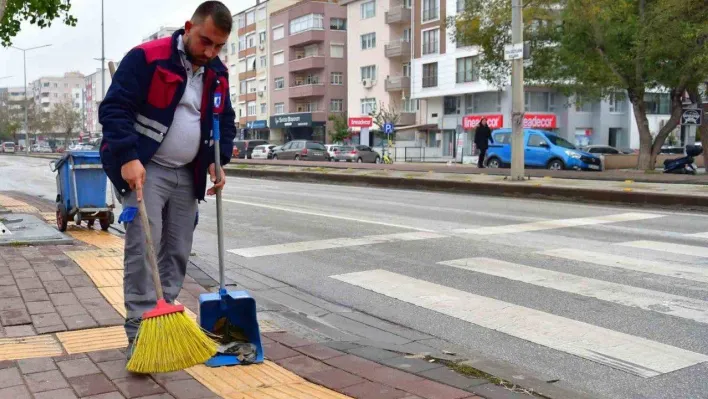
(152,258)
(219,218)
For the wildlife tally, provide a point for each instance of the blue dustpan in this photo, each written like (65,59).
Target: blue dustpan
(235,308)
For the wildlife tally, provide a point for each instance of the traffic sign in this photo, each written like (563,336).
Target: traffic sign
(692,117)
(388,128)
(513,51)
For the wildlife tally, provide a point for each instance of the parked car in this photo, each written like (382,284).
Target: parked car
(302,150)
(359,153)
(602,149)
(332,150)
(264,151)
(543,149)
(8,147)
(243,149)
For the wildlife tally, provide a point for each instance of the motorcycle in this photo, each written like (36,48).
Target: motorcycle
(684,165)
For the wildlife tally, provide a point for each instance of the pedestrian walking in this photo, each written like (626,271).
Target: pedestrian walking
(157,147)
(482,138)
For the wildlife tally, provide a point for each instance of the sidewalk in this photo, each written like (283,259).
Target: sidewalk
(61,311)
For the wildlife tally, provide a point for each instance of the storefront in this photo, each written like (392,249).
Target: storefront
(360,130)
(257,130)
(298,126)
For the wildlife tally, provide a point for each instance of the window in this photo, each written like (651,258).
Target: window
(466,69)
(407,3)
(480,103)
(264,108)
(535,140)
(261,37)
(306,22)
(251,86)
(336,78)
(278,58)
(279,83)
(242,66)
(241,21)
(368,72)
(407,69)
(460,6)
(261,14)
(251,63)
(56,85)
(406,35)
(540,101)
(368,105)
(368,9)
(368,41)
(451,105)
(243,89)
(251,40)
(66,85)
(338,24)
(430,74)
(264,61)
(307,107)
(410,105)
(430,41)
(312,50)
(233,48)
(336,105)
(278,32)
(241,43)
(251,108)
(617,103)
(279,108)
(430,10)
(250,18)
(657,103)
(46,84)
(581,105)
(336,51)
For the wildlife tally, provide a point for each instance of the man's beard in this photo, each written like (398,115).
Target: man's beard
(190,57)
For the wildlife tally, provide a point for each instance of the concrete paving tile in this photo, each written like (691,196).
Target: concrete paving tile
(115,369)
(28,283)
(7,281)
(399,330)
(64,299)
(16,392)
(73,356)
(79,281)
(411,365)
(135,387)
(50,276)
(287,339)
(363,330)
(29,366)
(162,378)
(23,272)
(371,353)
(12,304)
(87,293)
(65,393)
(10,377)
(187,389)
(34,295)
(303,365)
(355,365)
(318,351)
(41,307)
(93,384)
(395,378)
(277,352)
(70,310)
(433,390)
(446,376)
(7,364)
(110,395)
(373,390)
(48,319)
(45,381)
(76,368)
(79,322)
(19,331)
(334,378)
(341,345)
(106,355)
(9,291)
(70,270)
(51,329)
(57,287)
(14,317)
(491,391)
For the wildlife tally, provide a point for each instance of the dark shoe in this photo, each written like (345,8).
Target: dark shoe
(129,350)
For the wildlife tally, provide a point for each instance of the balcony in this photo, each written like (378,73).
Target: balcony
(407,119)
(306,63)
(307,37)
(247,75)
(397,83)
(398,49)
(307,90)
(398,15)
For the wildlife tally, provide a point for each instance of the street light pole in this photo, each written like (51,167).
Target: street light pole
(24,63)
(517,94)
(103,57)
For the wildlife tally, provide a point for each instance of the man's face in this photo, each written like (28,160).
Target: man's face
(203,42)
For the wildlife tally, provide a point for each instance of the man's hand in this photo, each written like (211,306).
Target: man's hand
(220,184)
(133,173)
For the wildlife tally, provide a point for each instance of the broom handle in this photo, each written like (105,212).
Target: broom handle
(219,218)
(152,258)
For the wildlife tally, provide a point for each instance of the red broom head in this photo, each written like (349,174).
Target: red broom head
(163,308)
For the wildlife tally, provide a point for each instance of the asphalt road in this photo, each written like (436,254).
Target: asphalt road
(610,301)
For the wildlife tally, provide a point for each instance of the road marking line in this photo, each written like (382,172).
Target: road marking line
(632,354)
(669,247)
(698,235)
(673,305)
(669,269)
(327,215)
(303,246)
(557,224)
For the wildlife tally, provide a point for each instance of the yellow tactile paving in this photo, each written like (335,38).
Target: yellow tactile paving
(100,259)
(105,278)
(303,390)
(9,201)
(29,347)
(225,381)
(114,296)
(22,209)
(97,238)
(50,217)
(95,339)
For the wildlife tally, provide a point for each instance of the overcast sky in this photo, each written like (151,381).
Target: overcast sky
(74,48)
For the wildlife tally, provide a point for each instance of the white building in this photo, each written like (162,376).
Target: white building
(93,95)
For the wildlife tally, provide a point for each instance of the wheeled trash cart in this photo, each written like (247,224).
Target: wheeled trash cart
(81,190)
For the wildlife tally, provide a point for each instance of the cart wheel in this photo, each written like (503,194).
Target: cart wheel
(62,220)
(89,223)
(105,223)
(111,218)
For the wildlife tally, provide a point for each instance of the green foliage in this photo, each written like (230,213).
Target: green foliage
(65,118)
(37,12)
(340,127)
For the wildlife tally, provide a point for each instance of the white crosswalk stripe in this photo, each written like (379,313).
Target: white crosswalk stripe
(636,355)
(669,247)
(655,301)
(669,269)
(698,235)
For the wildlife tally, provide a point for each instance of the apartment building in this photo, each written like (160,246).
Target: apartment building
(13,99)
(308,69)
(163,31)
(93,95)
(49,91)
(379,36)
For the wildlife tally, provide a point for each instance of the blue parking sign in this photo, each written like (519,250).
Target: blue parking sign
(388,128)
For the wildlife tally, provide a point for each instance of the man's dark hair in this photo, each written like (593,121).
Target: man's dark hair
(218,12)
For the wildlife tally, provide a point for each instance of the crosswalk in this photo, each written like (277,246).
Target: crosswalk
(673,263)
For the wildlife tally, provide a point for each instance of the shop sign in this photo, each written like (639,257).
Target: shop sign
(495,121)
(291,120)
(361,121)
(259,124)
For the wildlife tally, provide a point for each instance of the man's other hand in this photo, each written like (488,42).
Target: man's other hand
(133,173)
(220,184)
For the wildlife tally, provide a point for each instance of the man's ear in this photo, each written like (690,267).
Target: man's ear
(188,26)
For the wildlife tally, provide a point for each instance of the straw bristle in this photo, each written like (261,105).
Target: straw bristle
(169,343)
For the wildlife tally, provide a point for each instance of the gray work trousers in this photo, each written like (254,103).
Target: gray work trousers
(172,208)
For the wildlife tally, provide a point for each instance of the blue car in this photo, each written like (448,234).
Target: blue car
(542,149)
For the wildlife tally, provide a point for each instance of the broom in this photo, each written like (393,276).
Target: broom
(167,339)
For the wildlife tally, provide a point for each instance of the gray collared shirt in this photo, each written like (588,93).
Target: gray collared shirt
(181,143)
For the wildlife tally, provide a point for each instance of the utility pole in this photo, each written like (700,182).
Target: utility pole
(517,92)
(24,61)
(103,57)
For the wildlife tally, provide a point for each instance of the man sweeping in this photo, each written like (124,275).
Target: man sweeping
(157,148)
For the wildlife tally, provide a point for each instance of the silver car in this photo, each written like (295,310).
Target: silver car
(359,153)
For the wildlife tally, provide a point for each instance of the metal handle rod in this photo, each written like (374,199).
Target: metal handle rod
(152,258)
(219,218)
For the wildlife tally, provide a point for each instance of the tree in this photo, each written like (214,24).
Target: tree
(592,49)
(382,115)
(9,124)
(340,127)
(37,12)
(66,119)
(38,121)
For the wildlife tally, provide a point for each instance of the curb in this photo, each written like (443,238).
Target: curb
(490,189)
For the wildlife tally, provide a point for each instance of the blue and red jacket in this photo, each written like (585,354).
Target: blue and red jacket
(139,107)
